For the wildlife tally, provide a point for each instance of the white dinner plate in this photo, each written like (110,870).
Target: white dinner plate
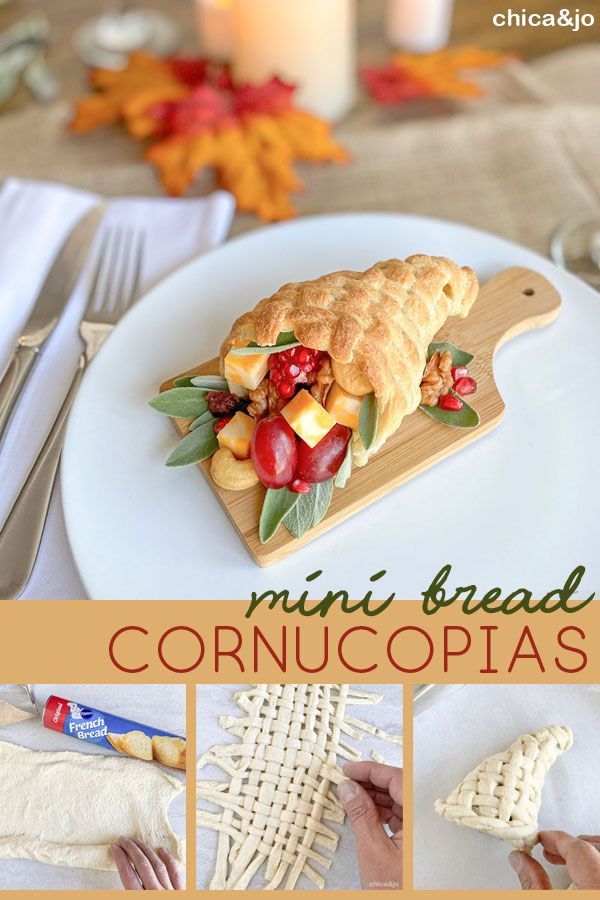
(517,508)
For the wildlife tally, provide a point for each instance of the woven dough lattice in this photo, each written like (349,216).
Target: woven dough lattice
(279,797)
(503,795)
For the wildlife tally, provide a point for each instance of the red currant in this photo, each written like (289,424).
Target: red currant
(285,389)
(450,402)
(465,385)
(297,486)
(221,423)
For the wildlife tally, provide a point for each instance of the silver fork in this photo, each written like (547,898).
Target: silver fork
(113,291)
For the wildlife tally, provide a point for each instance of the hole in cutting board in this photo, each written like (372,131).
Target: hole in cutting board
(529,292)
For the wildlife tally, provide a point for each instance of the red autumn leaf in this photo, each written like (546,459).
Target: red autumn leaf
(188,70)
(222,79)
(391,84)
(205,109)
(270,99)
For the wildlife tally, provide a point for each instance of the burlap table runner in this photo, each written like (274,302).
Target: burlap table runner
(516,163)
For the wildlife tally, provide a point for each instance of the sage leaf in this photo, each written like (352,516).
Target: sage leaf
(285,341)
(368,419)
(277,504)
(202,420)
(199,444)
(345,470)
(210,383)
(310,509)
(184,381)
(459,357)
(181,402)
(467,417)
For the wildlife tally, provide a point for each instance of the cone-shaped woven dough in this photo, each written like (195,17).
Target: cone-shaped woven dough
(375,325)
(502,796)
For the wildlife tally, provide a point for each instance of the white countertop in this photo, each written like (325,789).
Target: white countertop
(463,728)
(154,704)
(214,700)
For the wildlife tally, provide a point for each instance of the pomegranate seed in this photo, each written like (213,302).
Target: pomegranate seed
(221,423)
(297,486)
(285,389)
(291,370)
(449,401)
(458,372)
(289,354)
(302,356)
(465,385)
(276,376)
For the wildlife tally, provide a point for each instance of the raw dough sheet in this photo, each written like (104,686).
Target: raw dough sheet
(455,734)
(162,705)
(215,700)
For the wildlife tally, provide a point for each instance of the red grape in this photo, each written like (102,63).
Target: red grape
(274,452)
(323,461)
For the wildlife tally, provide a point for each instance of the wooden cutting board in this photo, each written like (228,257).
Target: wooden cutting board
(515,301)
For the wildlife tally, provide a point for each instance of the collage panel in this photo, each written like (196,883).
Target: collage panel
(495,765)
(92,787)
(299,786)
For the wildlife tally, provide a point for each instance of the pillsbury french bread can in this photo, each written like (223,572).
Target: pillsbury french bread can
(94,726)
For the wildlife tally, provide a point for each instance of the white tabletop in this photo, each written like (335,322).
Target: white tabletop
(463,728)
(152,704)
(214,700)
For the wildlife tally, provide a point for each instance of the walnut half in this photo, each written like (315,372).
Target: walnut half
(265,401)
(437,378)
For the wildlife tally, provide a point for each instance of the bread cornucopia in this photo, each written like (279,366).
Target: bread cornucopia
(319,375)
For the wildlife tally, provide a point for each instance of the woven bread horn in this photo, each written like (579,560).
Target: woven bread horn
(375,325)
(503,795)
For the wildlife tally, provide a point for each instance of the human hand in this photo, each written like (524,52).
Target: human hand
(373,798)
(143,869)
(581,856)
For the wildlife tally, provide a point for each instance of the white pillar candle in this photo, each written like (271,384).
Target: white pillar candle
(214,29)
(419,26)
(310,43)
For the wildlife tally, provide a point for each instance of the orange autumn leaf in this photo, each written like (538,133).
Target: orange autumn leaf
(178,159)
(441,74)
(143,74)
(309,138)
(197,118)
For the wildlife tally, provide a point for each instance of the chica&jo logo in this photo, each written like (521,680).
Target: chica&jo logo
(513,18)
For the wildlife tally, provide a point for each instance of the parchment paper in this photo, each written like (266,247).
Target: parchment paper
(215,700)
(456,734)
(152,704)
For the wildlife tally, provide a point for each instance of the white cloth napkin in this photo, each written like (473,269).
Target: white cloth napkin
(35,219)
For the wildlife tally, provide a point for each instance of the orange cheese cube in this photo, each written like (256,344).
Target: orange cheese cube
(309,419)
(344,407)
(248,371)
(237,435)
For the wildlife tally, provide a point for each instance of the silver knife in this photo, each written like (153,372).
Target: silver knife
(49,305)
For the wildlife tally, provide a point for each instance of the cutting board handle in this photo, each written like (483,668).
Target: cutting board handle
(512,302)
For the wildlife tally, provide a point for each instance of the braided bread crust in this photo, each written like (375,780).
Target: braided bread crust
(376,326)
(503,795)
